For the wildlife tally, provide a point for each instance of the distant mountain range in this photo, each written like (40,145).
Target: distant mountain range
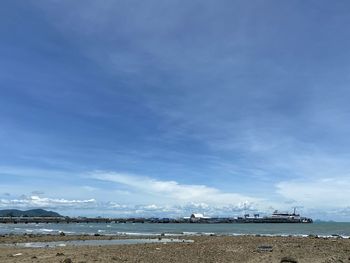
(28,213)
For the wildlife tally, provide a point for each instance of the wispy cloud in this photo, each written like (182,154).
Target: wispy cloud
(172,191)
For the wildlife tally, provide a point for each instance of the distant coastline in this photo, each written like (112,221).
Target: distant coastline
(42,216)
(28,213)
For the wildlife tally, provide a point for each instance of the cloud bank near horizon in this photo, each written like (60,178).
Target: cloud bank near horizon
(136,195)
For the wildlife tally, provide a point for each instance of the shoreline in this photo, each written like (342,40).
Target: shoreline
(326,230)
(214,248)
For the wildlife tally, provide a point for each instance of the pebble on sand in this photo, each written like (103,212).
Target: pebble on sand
(265,248)
(288,260)
(17,254)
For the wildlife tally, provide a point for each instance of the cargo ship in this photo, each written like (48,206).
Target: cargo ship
(276,217)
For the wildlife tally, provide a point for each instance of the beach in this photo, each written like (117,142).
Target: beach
(213,248)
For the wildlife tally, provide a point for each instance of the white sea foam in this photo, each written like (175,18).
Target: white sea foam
(191,233)
(48,230)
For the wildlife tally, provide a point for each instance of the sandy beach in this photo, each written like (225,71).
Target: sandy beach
(203,249)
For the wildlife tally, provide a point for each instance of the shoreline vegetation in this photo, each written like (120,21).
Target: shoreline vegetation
(209,248)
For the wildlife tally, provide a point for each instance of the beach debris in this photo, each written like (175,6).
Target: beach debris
(288,260)
(97,235)
(59,254)
(17,254)
(62,234)
(157,248)
(68,260)
(265,248)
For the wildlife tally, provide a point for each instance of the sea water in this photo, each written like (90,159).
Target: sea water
(147,229)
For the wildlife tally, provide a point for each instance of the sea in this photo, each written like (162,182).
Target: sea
(322,229)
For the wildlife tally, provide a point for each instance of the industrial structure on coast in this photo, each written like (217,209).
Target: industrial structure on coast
(195,218)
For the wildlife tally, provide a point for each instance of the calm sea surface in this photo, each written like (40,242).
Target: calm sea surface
(321,229)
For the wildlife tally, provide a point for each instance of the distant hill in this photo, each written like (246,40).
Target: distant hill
(28,213)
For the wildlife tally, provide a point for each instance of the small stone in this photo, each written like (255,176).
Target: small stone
(288,260)
(265,248)
(68,260)
(59,254)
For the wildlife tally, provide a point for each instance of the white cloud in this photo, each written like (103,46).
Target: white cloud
(176,210)
(45,202)
(174,192)
(318,193)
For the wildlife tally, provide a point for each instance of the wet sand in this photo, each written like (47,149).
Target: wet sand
(204,249)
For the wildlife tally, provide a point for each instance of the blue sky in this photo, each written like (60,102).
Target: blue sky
(168,107)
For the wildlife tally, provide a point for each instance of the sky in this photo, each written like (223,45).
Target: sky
(164,108)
